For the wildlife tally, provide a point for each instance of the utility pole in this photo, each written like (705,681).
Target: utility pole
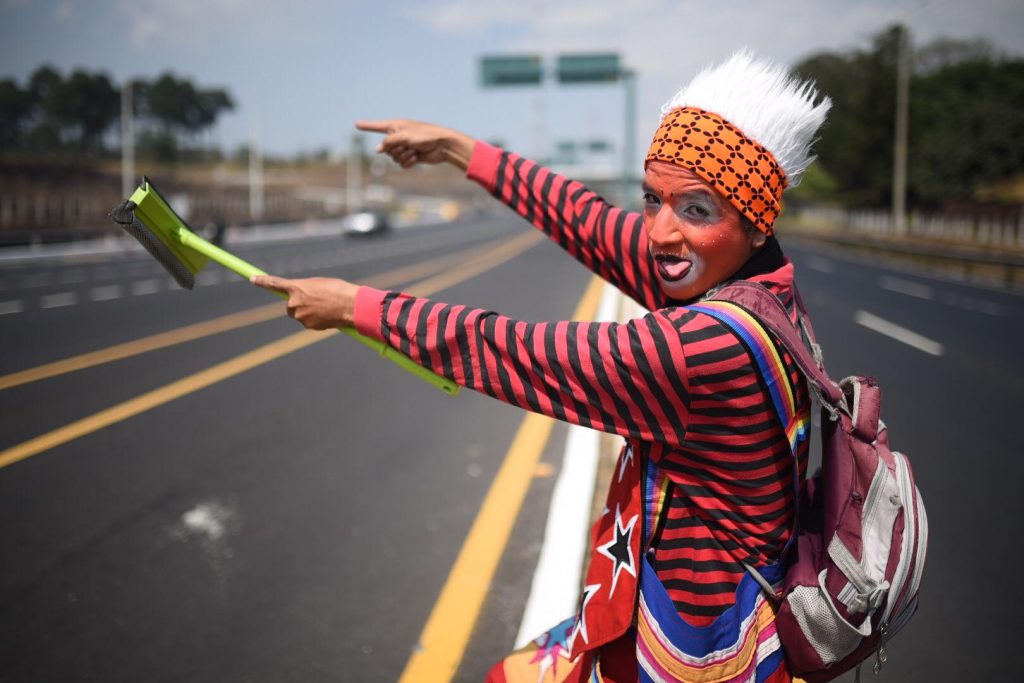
(256,204)
(127,139)
(899,163)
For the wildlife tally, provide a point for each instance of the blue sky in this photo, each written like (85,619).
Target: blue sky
(302,71)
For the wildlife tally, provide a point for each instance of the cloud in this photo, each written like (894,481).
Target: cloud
(199,23)
(667,41)
(467,18)
(785,28)
(64,11)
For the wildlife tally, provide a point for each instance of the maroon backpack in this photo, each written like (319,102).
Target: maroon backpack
(856,560)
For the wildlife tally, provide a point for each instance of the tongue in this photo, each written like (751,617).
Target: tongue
(673,270)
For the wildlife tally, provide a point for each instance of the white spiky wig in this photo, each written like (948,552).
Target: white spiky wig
(765,102)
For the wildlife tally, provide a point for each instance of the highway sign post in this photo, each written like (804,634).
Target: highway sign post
(510,70)
(588,68)
(570,69)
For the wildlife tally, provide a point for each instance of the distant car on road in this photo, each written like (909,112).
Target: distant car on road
(365,223)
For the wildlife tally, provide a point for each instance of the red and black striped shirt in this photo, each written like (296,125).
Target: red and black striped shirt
(675,383)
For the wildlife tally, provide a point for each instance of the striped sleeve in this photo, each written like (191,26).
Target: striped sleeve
(608,240)
(627,379)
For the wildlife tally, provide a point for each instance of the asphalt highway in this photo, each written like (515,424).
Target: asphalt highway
(295,517)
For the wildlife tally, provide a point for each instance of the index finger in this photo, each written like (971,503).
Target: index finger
(378,126)
(271,282)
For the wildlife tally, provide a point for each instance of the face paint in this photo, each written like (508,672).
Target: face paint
(696,237)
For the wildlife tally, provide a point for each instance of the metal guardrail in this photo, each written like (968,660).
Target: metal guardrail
(1003,265)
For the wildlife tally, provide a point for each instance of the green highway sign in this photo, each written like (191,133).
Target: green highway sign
(516,70)
(589,68)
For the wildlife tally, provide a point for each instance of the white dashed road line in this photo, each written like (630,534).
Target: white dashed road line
(35,280)
(58,300)
(971,304)
(822,265)
(106,292)
(145,287)
(901,334)
(10,307)
(72,277)
(208,277)
(915,289)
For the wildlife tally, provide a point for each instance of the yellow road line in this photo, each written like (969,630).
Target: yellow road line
(484,263)
(152,399)
(137,346)
(224,323)
(446,634)
(264,354)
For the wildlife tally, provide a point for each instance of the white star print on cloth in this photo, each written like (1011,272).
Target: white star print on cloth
(581,622)
(620,549)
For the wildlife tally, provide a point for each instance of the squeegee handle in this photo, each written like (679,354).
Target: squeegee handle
(247,270)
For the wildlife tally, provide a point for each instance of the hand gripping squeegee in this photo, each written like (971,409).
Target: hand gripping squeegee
(147,217)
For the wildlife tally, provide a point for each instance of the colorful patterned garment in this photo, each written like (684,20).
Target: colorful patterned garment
(676,384)
(546,660)
(742,644)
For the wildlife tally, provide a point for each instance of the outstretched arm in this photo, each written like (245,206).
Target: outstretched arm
(628,379)
(609,241)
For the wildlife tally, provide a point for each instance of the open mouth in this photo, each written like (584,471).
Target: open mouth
(672,268)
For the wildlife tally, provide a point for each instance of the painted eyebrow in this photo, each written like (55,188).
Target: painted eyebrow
(702,193)
(699,194)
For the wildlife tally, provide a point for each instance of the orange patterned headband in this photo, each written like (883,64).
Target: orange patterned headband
(742,171)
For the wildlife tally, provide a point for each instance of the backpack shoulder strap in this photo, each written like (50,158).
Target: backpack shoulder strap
(768,361)
(766,308)
(754,335)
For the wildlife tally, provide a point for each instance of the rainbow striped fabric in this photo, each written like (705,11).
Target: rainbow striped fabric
(769,362)
(741,644)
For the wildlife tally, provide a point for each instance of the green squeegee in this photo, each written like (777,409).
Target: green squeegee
(147,217)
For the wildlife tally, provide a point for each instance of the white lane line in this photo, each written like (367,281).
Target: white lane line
(972,304)
(36,280)
(901,334)
(915,289)
(142,287)
(554,591)
(106,292)
(58,300)
(10,307)
(822,265)
(72,277)
(208,277)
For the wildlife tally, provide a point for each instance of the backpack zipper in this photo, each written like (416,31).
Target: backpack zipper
(909,537)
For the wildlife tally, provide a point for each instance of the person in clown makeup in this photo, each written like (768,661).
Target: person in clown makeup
(704,482)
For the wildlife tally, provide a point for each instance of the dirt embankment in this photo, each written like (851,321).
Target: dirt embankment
(62,199)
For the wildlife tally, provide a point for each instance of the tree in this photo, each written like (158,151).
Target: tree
(856,143)
(44,87)
(966,129)
(86,107)
(965,125)
(180,110)
(15,107)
